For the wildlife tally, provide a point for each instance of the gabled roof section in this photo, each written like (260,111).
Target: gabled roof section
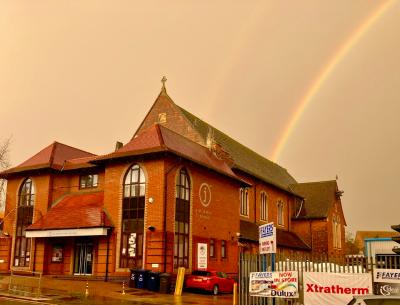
(244,158)
(287,239)
(160,139)
(74,212)
(318,198)
(188,125)
(53,156)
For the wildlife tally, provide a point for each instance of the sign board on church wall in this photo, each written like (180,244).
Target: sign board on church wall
(334,288)
(202,256)
(267,238)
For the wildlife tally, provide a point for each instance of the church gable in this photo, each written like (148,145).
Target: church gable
(166,113)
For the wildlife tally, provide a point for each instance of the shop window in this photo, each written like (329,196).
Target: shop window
(182,220)
(244,201)
(133,206)
(280,213)
(212,248)
(22,249)
(88,181)
(263,207)
(223,249)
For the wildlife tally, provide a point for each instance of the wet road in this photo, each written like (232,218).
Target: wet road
(79,300)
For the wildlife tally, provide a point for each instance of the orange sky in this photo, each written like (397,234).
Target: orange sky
(86,72)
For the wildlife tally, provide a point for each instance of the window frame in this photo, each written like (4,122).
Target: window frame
(263,206)
(244,201)
(224,253)
(181,251)
(132,218)
(281,213)
(211,252)
(25,211)
(86,184)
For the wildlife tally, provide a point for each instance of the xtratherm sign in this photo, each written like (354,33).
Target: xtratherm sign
(334,288)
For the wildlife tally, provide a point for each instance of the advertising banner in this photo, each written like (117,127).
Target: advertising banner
(334,288)
(284,284)
(387,281)
(201,256)
(267,238)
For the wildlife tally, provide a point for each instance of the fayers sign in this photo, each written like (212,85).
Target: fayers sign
(267,238)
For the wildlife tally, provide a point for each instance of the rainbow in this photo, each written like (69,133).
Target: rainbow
(337,57)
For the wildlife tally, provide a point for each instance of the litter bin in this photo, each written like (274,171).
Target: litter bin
(141,278)
(132,279)
(165,282)
(153,281)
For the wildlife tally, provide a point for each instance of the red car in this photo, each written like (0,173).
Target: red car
(211,281)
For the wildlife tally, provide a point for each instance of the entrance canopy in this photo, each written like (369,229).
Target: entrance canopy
(74,215)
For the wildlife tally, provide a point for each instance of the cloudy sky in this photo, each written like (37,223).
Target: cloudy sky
(85,73)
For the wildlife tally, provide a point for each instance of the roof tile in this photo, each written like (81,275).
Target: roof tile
(73,212)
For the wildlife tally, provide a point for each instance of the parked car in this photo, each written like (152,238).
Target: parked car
(210,280)
(375,300)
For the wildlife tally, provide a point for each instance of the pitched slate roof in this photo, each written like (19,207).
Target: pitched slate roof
(74,212)
(244,158)
(52,156)
(160,139)
(319,197)
(287,239)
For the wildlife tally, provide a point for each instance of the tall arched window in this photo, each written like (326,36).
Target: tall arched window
(280,213)
(182,220)
(263,207)
(133,205)
(244,201)
(339,233)
(337,240)
(22,250)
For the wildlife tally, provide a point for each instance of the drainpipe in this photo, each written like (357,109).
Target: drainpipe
(165,210)
(255,202)
(108,249)
(33,243)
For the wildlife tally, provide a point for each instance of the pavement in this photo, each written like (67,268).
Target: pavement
(72,291)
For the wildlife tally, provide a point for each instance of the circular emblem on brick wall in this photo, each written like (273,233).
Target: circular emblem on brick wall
(205,194)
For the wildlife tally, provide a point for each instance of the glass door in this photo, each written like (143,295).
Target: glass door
(83,258)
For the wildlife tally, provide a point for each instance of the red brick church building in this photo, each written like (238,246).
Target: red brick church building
(179,184)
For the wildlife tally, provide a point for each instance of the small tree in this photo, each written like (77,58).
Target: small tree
(4,164)
(352,247)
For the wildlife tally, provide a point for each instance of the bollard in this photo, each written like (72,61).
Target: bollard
(123,287)
(234,293)
(87,289)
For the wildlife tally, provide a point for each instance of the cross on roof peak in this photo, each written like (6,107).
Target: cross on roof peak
(163,81)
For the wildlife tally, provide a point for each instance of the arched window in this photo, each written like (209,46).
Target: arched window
(337,240)
(133,205)
(182,220)
(22,250)
(244,201)
(263,207)
(280,213)
(339,233)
